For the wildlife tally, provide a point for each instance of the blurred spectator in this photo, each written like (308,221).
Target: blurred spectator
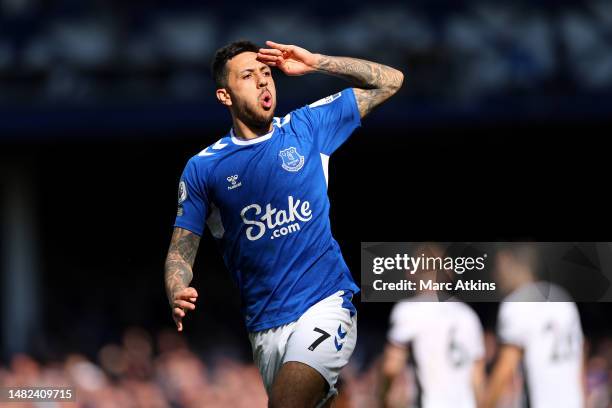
(133,374)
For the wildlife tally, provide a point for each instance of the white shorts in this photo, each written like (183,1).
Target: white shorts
(323,337)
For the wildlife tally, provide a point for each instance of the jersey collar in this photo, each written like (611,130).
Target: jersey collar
(259,139)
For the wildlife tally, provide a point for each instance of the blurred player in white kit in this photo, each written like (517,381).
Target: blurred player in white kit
(444,341)
(538,326)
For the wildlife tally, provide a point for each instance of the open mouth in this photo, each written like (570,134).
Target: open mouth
(266,100)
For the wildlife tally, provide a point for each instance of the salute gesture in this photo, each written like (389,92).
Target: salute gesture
(290,59)
(373,83)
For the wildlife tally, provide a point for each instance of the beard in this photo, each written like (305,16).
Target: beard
(255,118)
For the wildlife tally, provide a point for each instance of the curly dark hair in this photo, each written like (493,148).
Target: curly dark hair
(226,53)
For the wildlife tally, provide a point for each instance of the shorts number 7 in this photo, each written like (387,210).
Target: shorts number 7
(319,340)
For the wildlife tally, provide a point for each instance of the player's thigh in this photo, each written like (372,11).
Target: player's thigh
(297,385)
(269,348)
(323,339)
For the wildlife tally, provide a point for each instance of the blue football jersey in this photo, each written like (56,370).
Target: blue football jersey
(265,202)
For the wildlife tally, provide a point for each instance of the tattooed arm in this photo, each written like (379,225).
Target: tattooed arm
(375,83)
(178,273)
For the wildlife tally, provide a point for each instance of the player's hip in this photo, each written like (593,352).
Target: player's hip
(324,338)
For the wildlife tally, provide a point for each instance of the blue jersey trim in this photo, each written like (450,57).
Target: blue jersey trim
(347,303)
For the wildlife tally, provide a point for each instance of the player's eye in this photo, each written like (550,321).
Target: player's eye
(247,76)
(267,73)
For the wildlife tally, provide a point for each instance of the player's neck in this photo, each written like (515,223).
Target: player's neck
(243,131)
(522,279)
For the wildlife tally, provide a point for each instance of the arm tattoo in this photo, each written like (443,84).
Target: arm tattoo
(181,255)
(375,83)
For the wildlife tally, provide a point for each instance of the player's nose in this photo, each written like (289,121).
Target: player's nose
(263,81)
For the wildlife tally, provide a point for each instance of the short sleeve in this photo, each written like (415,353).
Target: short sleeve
(399,333)
(192,200)
(510,329)
(333,120)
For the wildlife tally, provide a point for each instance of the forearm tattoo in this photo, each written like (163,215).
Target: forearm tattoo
(375,83)
(179,262)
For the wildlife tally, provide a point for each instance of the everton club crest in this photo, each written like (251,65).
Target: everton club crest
(292,160)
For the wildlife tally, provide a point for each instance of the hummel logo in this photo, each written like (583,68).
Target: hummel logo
(234,181)
(338,345)
(342,335)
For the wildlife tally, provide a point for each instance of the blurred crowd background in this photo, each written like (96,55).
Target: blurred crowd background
(162,371)
(499,133)
(468,58)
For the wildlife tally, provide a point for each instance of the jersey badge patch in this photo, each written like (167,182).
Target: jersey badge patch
(292,159)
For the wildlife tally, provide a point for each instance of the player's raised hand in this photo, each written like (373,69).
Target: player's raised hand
(290,59)
(182,302)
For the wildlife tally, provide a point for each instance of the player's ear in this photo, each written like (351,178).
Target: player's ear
(224,97)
